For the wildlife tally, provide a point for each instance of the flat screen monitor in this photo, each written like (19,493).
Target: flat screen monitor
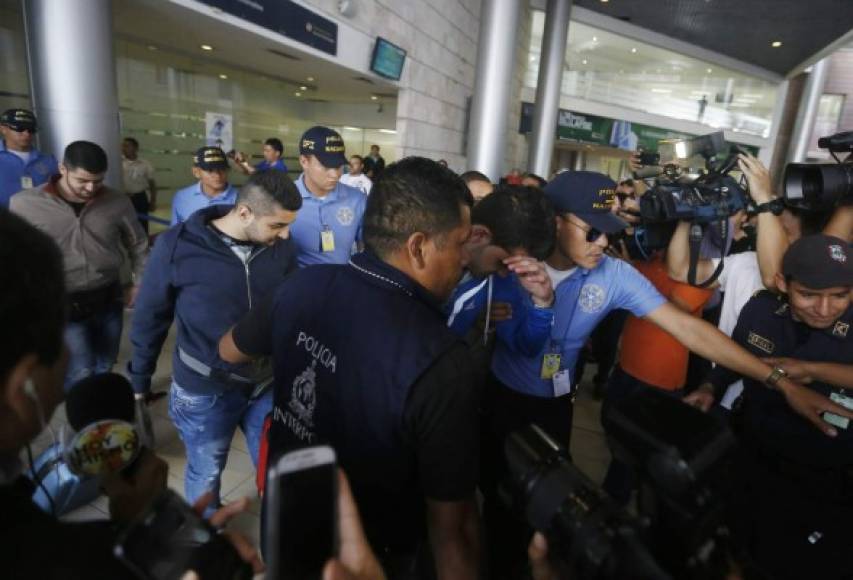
(388,59)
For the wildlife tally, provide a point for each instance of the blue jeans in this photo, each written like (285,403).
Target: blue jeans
(93,344)
(206,424)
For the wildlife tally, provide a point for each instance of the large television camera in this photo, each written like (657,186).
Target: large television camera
(695,186)
(704,196)
(681,456)
(813,186)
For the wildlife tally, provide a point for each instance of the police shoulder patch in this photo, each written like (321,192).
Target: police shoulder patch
(761,343)
(841,329)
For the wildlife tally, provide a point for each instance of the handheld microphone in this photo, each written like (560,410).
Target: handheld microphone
(100,409)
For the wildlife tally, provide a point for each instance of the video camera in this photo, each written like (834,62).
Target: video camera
(813,186)
(705,196)
(681,456)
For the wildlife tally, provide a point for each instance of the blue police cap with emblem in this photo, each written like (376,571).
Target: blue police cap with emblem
(210,158)
(325,144)
(588,195)
(19,119)
(819,261)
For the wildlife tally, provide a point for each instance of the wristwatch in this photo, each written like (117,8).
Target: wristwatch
(774,206)
(776,375)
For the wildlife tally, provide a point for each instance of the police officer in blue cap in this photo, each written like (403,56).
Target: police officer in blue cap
(328,229)
(22,166)
(794,503)
(588,284)
(210,167)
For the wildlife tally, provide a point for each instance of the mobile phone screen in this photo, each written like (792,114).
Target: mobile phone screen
(171,538)
(307,521)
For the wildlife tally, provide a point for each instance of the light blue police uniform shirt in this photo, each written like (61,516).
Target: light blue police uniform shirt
(341,211)
(190,199)
(39,168)
(582,301)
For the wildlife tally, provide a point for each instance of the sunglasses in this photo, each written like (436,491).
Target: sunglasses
(29,130)
(592,234)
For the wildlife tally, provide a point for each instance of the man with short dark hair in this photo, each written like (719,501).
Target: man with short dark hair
(356,177)
(364,362)
(794,499)
(210,167)
(328,229)
(206,273)
(374,163)
(22,166)
(138,177)
(478,183)
(273,153)
(94,226)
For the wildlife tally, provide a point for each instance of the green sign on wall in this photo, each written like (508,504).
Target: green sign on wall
(594,130)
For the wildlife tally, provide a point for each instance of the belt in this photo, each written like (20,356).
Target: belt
(260,382)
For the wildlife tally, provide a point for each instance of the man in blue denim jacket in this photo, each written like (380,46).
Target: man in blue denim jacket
(206,273)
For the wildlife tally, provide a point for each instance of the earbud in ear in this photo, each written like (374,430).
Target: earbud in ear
(30,390)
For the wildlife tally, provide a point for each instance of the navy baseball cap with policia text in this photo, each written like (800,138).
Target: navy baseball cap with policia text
(210,158)
(588,195)
(325,144)
(818,262)
(18,119)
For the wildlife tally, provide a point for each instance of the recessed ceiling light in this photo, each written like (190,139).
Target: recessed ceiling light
(583,61)
(223,77)
(310,79)
(297,94)
(303,88)
(152,47)
(605,1)
(374,98)
(709,71)
(206,47)
(776,43)
(633,50)
(595,39)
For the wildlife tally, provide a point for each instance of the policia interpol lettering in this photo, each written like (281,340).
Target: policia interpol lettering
(298,417)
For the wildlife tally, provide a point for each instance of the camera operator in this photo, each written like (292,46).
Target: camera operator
(793,506)
(744,274)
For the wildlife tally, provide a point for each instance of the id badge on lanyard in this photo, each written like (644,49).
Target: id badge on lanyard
(327,239)
(553,359)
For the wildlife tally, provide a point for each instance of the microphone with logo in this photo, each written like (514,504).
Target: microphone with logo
(104,438)
(106,444)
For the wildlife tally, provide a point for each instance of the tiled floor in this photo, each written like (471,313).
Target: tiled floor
(589,448)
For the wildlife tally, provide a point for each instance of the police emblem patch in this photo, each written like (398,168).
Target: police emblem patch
(591,298)
(345,216)
(303,396)
(841,328)
(836,252)
(761,343)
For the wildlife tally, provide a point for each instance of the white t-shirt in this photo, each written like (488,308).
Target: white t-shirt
(22,155)
(360,181)
(136,174)
(739,280)
(558,276)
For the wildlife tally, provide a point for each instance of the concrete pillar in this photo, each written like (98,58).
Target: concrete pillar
(807,113)
(73,77)
(492,86)
(548,86)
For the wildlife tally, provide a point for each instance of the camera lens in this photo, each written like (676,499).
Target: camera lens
(818,186)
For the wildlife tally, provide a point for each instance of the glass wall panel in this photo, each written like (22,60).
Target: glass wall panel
(14,81)
(605,67)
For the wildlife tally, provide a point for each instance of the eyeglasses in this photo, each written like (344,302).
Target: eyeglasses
(592,234)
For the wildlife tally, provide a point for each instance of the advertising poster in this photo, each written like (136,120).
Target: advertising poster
(219,130)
